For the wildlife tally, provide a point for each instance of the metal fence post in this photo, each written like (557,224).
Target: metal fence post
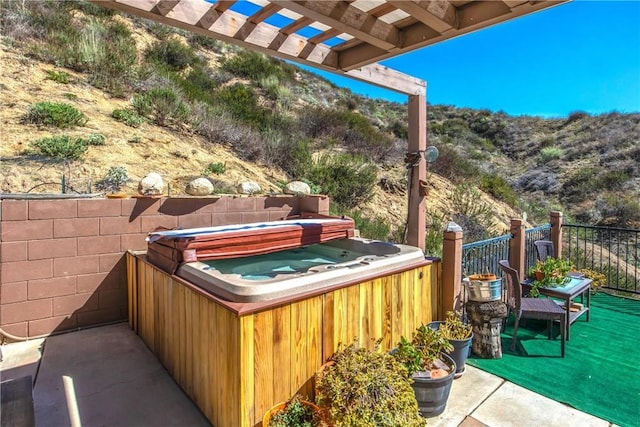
(555,218)
(517,246)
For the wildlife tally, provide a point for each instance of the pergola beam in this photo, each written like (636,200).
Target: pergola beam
(347,19)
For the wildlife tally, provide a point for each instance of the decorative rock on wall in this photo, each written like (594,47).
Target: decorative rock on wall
(199,187)
(297,188)
(151,185)
(248,187)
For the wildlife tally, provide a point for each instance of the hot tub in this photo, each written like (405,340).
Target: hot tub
(296,271)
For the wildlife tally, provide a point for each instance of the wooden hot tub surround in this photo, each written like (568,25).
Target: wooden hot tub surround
(236,360)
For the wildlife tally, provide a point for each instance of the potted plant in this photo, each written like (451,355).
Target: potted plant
(430,368)
(460,336)
(362,387)
(551,272)
(294,413)
(113,181)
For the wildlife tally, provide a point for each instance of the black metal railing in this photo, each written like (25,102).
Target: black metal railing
(614,252)
(483,256)
(541,232)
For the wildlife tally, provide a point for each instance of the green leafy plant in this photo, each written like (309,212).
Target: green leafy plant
(296,413)
(348,180)
(217,168)
(550,273)
(61,147)
(115,178)
(128,117)
(95,139)
(58,76)
(453,328)
(163,105)
(422,352)
(362,387)
(56,114)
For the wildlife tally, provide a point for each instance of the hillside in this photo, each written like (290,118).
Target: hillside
(270,122)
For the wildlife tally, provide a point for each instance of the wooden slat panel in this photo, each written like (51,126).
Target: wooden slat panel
(353,314)
(314,337)
(205,349)
(365,313)
(388,341)
(299,345)
(246,364)
(265,368)
(283,387)
(376,314)
(329,338)
(214,365)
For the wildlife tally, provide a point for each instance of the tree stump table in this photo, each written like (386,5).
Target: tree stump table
(486,320)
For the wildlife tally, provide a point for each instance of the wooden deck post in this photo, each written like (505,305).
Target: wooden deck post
(451,273)
(416,217)
(555,218)
(517,246)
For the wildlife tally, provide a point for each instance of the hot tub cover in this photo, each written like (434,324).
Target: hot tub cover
(168,248)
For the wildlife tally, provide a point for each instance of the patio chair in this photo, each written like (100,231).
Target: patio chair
(531,308)
(544,248)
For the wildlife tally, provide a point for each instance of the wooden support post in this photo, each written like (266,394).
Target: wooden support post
(416,217)
(556,232)
(451,272)
(517,246)
(486,320)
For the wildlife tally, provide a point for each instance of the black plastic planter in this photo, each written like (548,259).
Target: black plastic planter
(432,394)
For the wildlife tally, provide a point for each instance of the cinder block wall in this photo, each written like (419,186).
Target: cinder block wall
(62,264)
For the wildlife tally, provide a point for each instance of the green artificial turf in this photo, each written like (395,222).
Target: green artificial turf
(600,374)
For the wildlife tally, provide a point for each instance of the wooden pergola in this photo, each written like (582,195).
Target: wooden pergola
(344,37)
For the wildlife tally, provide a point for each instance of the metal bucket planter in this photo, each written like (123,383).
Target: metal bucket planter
(432,394)
(484,290)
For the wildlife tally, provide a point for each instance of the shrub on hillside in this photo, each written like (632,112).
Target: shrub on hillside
(56,114)
(91,43)
(172,54)
(217,126)
(58,76)
(499,188)
(216,168)
(60,147)
(287,152)
(255,66)
(242,102)
(550,153)
(470,213)
(164,106)
(349,127)
(200,84)
(208,43)
(128,117)
(370,227)
(619,210)
(453,166)
(347,179)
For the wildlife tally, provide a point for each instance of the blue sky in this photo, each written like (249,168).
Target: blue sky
(579,56)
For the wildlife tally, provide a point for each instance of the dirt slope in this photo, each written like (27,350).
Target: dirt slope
(177,157)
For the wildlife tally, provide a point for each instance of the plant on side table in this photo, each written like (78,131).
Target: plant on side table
(359,387)
(550,273)
(430,368)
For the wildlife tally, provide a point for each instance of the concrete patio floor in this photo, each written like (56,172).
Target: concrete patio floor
(106,376)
